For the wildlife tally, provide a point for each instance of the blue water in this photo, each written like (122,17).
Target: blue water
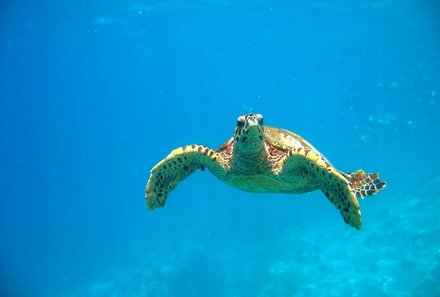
(94,93)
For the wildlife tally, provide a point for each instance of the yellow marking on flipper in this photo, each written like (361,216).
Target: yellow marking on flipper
(334,185)
(178,165)
(320,162)
(313,157)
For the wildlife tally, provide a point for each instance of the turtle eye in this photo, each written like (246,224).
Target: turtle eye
(240,122)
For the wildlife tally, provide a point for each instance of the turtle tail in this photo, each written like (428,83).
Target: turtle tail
(364,184)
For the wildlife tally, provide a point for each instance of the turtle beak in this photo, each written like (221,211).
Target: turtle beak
(253,125)
(251,120)
(249,134)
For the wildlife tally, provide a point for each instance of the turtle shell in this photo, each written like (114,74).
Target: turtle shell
(285,140)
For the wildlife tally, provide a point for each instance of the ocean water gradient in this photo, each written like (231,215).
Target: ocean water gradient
(94,93)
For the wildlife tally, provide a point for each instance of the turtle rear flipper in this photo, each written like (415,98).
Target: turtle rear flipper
(177,166)
(364,184)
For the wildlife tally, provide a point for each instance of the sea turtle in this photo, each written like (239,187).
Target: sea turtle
(265,159)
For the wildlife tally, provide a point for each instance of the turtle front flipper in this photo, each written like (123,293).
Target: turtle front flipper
(179,164)
(333,184)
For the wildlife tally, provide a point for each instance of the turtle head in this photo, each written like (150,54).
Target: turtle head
(249,133)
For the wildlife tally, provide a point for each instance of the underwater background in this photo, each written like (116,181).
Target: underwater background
(94,93)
